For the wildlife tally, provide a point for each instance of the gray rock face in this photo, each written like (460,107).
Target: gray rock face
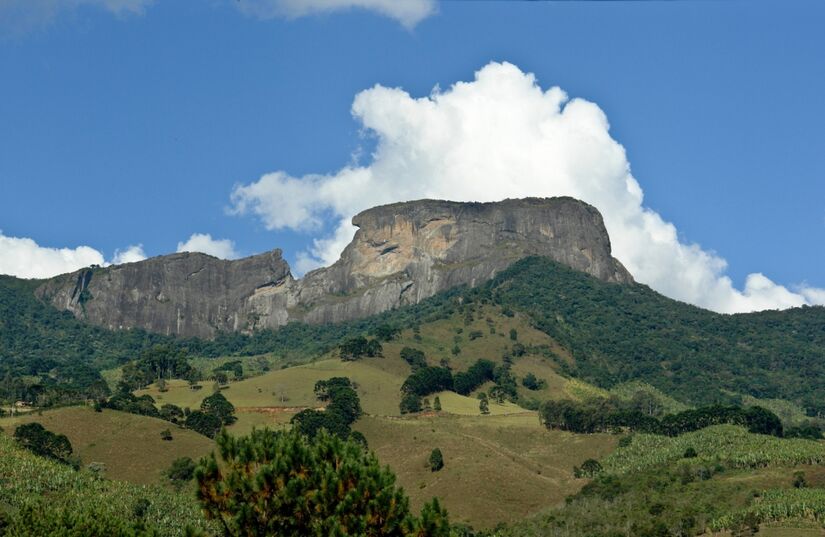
(401,254)
(190,294)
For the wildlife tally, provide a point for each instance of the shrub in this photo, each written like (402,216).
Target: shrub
(532,383)
(410,403)
(589,468)
(436,460)
(181,470)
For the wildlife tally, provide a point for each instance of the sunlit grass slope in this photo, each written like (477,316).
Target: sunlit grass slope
(129,445)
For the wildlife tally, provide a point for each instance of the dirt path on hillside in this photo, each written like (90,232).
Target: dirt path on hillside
(533,467)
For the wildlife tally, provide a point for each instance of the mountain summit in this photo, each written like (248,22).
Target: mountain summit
(401,254)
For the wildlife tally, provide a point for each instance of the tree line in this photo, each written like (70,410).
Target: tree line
(607,415)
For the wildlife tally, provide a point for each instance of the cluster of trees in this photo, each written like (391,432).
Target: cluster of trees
(159,362)
(425,380)
(358,347)
(215,411)
(283,483)
(235,367)
(478,373)
(343,408)
(40,441)
(808,430)
(602,415)
(125,401)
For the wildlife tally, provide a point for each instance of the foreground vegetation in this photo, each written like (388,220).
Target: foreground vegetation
(39,496)
(719,478)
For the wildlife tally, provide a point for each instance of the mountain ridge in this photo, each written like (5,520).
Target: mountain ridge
(401,254)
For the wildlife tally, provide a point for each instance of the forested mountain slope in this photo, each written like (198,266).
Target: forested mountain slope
(618,333)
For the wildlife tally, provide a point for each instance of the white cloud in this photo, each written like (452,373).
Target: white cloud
(502,136)
(407,12)
(131,254)
(812,294)
(24,258)
(21,16)
(204,243)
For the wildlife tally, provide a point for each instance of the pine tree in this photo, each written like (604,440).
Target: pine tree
(281,483)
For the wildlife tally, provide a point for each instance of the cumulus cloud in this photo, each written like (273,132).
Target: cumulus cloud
(204,243)
(502,135)
(21,16)
(408,12)
(24,258)
(131,254)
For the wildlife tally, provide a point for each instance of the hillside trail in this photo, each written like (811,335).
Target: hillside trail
(534,468)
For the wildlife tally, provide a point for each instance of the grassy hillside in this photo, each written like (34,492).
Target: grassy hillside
(130,446)
(50,488)
(496,468)
(737,481)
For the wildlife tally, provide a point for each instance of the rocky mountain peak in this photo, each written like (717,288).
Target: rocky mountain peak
(401,254)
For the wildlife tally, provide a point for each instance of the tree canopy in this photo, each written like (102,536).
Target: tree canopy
(281,483)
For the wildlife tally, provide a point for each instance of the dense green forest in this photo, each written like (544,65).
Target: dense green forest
(619,333)
(48,356)
(616,333)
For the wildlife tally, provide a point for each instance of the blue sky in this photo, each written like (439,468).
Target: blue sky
(135,127)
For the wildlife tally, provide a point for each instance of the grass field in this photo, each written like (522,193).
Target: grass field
(129,445)
(496,468)
(294,387)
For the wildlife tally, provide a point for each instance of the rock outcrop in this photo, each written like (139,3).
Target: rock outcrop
(401,254)
(190,294)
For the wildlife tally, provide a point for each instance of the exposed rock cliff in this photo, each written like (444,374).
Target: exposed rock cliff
(401,254)
(191,294)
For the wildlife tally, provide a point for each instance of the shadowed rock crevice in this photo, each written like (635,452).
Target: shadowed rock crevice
(401,254)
